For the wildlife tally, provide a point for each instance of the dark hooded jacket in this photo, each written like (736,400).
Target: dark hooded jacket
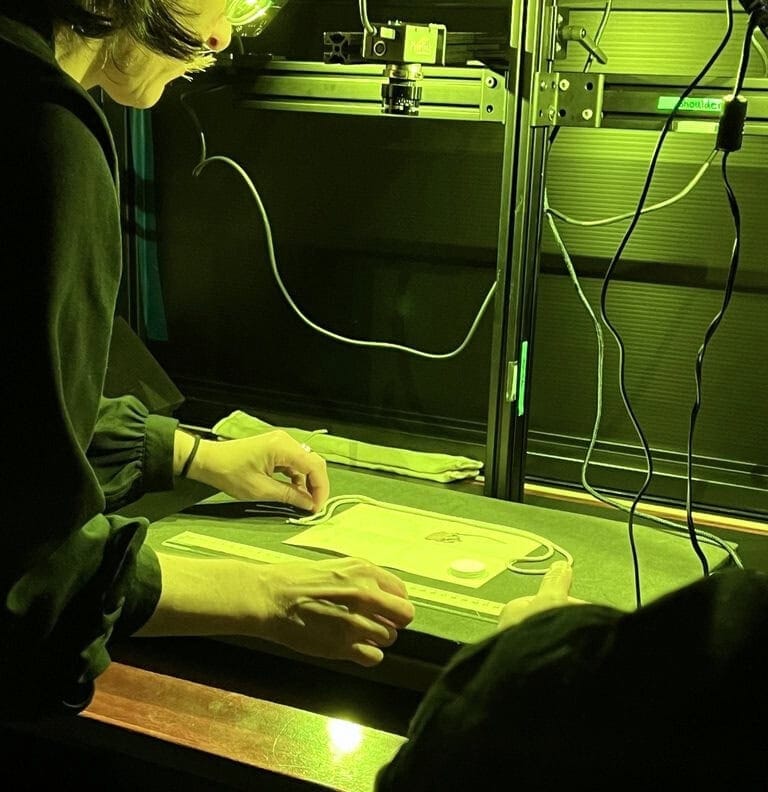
(72,572)
(671,696)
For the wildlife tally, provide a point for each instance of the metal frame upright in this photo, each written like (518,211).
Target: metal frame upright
(532,23)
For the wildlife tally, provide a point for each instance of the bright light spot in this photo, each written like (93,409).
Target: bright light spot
(243,12)
(345,736)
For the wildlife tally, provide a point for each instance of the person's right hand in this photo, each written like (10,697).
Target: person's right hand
(267,467)
(338,609)
(553,592)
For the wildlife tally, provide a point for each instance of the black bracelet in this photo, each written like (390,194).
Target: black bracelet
(191,456)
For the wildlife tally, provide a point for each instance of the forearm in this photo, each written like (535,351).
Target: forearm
(337,608)
(207,597)
(182,448)
(183,445)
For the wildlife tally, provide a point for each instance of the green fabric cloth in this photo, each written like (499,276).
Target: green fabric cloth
(144,231)
(345,451)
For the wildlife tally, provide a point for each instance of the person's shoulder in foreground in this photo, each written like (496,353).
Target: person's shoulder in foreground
(675,692)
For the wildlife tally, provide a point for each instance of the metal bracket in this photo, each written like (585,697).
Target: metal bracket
(568,99)
(561,19)
(403,43)
(510,391)
(576,33)
(551,18)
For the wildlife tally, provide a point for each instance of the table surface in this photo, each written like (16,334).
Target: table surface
(256,734)
(603,566)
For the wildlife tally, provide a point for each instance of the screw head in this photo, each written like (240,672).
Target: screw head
(587,114)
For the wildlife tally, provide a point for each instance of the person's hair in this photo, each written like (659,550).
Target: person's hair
(156,24)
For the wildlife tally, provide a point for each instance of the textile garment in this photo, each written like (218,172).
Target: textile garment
(72,573)
(670,696)
(443,468)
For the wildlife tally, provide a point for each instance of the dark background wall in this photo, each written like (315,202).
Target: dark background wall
(382,231)
(668,286)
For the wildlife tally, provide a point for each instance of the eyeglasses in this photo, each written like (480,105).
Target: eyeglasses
(246,12)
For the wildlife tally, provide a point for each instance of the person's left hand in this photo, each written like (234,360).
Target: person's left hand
(268,467)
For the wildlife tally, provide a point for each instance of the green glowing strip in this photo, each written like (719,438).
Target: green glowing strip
(692,104)
(521,380)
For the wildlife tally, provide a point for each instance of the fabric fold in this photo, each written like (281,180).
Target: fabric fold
(438,467)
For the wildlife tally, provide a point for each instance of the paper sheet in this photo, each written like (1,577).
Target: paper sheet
(423,544)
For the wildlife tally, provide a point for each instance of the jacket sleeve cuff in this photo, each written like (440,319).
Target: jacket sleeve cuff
(158,453)
(143,593)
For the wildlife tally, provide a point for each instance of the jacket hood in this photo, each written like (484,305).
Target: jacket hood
(32,72)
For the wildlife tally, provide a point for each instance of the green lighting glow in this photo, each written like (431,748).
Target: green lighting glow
(693,104)
(243,12)
(523,376)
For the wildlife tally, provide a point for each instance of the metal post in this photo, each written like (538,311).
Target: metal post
(518,254)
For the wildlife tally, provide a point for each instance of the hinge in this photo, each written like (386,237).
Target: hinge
(511,390)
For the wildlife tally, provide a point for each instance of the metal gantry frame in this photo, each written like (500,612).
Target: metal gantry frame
(530,97)
(477,94)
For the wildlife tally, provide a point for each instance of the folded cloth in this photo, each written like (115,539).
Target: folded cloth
(345,451)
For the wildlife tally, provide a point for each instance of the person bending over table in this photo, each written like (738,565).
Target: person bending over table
(74,574)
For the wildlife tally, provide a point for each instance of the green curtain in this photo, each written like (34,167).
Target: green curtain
(145,227)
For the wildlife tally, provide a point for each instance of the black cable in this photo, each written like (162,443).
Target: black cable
(552,137)
(195,120)
(599,34)
(607,279)
(746,50)
(734,143)
(714,324)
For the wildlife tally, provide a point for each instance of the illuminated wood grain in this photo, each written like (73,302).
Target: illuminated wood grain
(262,734)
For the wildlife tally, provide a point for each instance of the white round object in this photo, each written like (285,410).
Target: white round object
(467,568)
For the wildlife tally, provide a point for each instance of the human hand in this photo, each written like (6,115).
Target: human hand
(249,469)
(340,608)
(553,592)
